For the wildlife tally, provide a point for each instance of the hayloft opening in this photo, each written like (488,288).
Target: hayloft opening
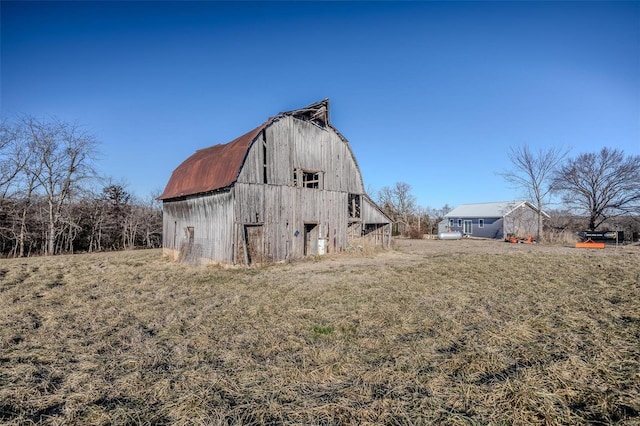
(307,179)
(311,180)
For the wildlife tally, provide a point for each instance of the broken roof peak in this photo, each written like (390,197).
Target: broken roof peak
(317,113)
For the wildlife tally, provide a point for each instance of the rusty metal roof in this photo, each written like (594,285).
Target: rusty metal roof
(211,168)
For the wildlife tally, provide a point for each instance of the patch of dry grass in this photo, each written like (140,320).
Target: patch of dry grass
(531,336)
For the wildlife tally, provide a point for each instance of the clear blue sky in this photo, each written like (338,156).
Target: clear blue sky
(428,93)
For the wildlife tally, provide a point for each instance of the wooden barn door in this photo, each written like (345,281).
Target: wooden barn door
(253,244)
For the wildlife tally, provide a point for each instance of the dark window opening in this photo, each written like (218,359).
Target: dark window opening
(311,180)
(307,179)
(373,228)
(354,206)
(264,158)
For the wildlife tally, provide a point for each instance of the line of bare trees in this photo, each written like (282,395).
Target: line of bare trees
(409,218)
(50,198)
(601,187)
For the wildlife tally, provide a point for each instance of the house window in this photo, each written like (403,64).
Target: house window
(459,223)
(480,223)
(450,223)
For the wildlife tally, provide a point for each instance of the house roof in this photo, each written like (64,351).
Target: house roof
(498,209)
(218,166)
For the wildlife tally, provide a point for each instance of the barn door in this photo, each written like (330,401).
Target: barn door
(254,244)
(310,239)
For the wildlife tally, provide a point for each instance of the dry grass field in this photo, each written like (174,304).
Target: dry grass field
(431,332)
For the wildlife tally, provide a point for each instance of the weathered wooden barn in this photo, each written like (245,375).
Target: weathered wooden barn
(492,220)
(289,188)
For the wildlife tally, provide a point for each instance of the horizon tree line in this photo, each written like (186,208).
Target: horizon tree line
(53,201)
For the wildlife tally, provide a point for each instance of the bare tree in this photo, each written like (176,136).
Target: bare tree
(46,203)
(436,216)
(602,185)
(15,152)
(65,152)
(533,173)
(398,202)
(30,185)
(18,172)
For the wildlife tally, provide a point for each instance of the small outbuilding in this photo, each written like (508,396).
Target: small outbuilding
(289,188)
(492,220)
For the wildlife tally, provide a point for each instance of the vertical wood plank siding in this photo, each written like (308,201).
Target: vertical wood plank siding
(211,217)
(293,143)
(285,210)
(371,213)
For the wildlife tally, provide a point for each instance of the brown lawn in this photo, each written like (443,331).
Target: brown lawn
(431,332)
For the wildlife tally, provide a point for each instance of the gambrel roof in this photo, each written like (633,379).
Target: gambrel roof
(484,210)
(217,167)
(210,168)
